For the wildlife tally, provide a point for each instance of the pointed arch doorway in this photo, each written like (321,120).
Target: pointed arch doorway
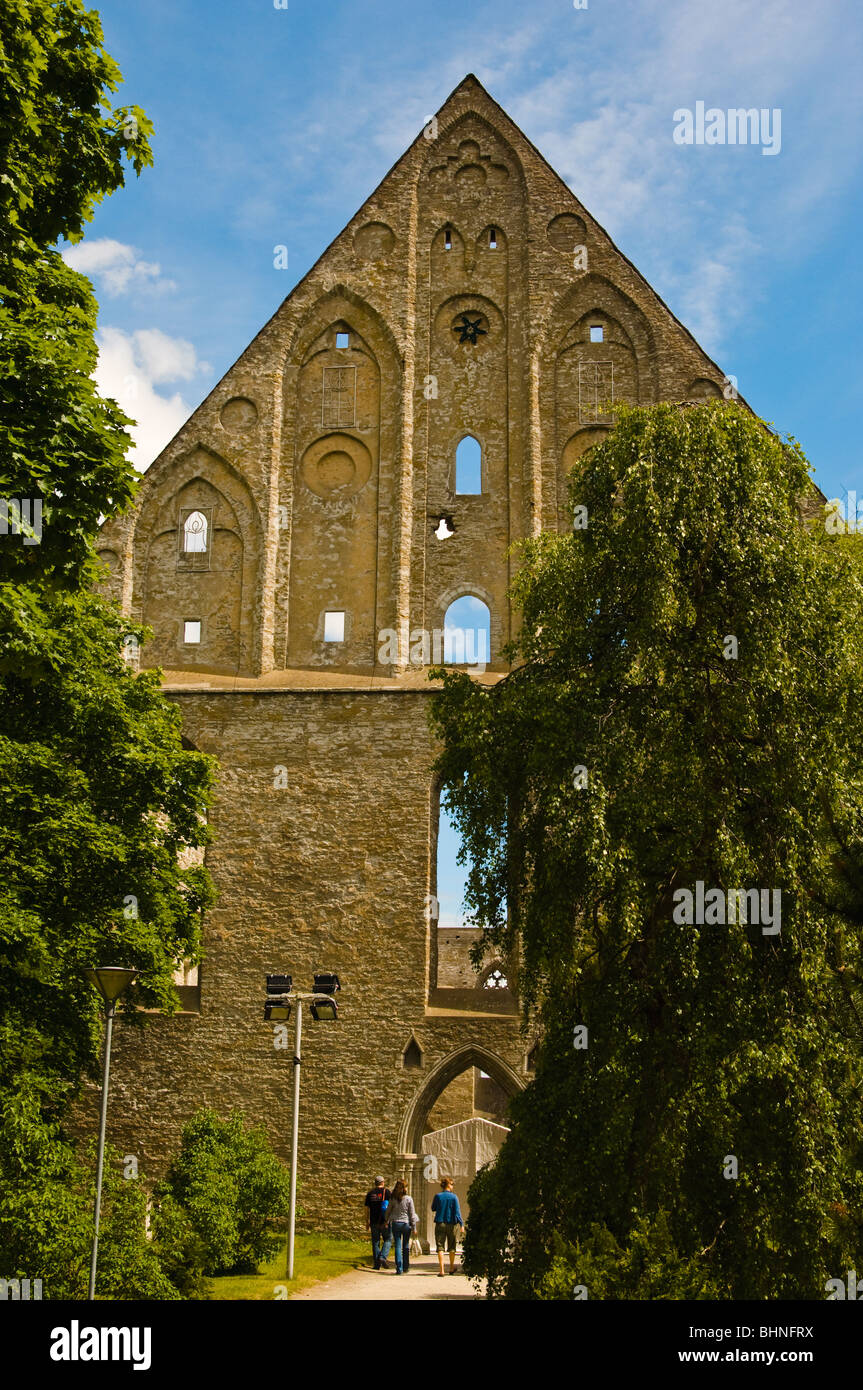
(426,1154)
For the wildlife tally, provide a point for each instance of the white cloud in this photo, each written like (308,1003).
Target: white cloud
(115,266)
(166,359)
(703,225)
(129,365)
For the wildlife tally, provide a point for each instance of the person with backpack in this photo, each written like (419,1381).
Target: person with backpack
(402,1214)
(378,1222)
(447,1219)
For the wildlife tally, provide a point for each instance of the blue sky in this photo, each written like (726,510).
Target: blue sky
(273,125)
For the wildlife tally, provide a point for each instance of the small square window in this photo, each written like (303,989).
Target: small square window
(334,627)
(342,340)
(596,332)
(192,630)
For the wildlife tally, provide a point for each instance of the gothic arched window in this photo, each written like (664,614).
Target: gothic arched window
(468,465)
(195,533)
(495,979)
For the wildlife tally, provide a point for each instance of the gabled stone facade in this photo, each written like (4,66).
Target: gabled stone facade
(472,294)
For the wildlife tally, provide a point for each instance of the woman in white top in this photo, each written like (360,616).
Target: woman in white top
(403,1218)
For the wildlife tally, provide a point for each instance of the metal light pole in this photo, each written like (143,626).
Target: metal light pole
(323,1008)
(111,981)
(295,1134)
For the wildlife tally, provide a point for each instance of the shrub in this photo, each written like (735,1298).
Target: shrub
(233,1190)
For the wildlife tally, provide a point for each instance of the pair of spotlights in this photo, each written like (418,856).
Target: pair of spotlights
(277,1008)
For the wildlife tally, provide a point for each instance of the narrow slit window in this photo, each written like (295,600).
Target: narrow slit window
(492,239)
(596,333)
(334,627)
(192,631)
(342,340)
(447,238)
(468,465)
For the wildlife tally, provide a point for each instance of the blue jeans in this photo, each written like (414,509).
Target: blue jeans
(382,1239)
(402,1239)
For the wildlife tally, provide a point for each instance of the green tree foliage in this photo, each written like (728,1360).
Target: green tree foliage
(46,1218)
(633,751)
(233,1190)
(62,149)
(99,801)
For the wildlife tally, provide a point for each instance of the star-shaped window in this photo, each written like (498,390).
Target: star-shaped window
(468,329)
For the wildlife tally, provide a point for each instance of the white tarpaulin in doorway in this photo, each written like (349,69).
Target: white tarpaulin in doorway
(459,1152)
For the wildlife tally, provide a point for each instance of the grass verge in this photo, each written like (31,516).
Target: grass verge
(316,1258)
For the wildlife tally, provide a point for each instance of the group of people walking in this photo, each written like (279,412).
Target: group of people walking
(391,1220)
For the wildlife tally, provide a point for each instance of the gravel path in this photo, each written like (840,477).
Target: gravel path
(420,1282)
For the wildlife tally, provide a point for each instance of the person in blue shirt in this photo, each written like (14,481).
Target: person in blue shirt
(447,1219)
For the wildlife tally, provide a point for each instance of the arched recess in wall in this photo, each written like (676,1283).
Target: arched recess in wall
(215,587)
(447,249)
(415,1120)
(494,976)
(471,179)
(472,164)
(111,578)
(703,389)
(598,346)
(342,382)
(571,455)
(187,977)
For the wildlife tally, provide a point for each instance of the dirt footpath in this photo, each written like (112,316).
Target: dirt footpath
(420,1282)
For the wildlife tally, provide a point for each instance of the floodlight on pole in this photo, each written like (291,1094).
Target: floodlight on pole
(112,981)
(277,1007)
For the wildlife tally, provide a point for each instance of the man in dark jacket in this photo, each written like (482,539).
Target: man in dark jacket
(377,1201)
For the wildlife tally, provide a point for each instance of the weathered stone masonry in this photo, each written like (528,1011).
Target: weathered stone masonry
(321,465)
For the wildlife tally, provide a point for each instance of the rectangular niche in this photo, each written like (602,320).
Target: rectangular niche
(595,388)
(339,405)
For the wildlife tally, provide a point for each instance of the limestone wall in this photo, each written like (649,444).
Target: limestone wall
(327,872)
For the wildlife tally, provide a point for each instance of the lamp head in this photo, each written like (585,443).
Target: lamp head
(280,984)
(277,1011)
(111,981)
(326,984)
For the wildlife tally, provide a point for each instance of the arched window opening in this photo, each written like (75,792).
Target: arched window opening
(187,976)
(495,979)
(412,1056)
(447,238)
(467,633)
(468,466)
(195,533)
(492,238)
(451,875)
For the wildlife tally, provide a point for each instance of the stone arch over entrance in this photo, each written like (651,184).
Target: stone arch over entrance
(415,1122)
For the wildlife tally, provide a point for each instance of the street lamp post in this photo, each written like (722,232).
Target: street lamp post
(295,1136)
(111,981)
(323,1008)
